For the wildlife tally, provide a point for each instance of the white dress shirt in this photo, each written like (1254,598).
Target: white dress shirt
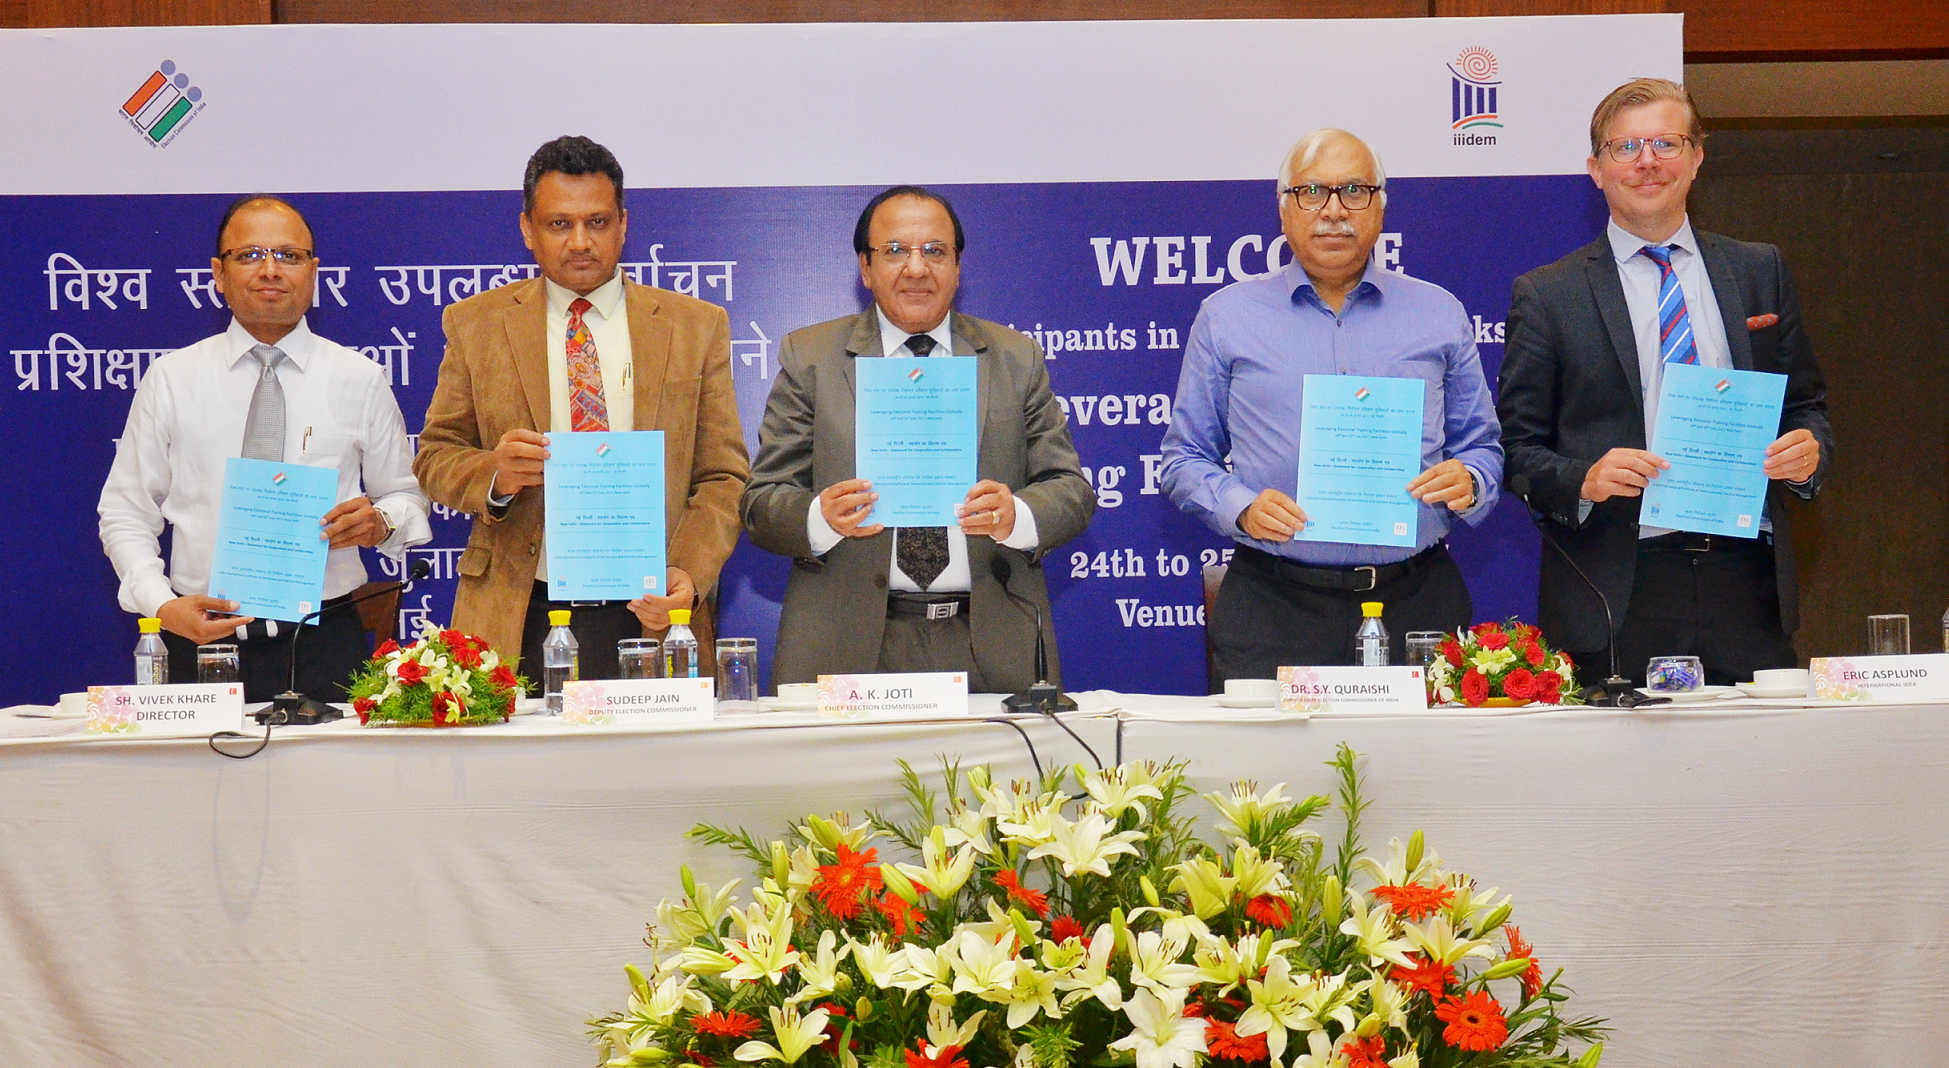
(956,578)
(188,418)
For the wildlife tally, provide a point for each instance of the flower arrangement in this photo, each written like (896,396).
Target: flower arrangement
(1044,928)
(1504,663)
(444,679)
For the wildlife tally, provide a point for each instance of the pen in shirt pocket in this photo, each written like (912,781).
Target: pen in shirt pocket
(305,445)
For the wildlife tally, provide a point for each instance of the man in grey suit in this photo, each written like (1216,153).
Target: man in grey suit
(1588,339)
(862,598)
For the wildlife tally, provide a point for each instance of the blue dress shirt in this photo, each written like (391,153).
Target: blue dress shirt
(1235,425)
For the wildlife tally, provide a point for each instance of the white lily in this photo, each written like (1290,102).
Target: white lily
(941,872)
(1390,1002)
(1204,881)
(1332,999)
(1395,871)
(980,965)
(1244,809)
(1085,845)
(1437,941)
(1255,876)
(1031,822)
(1410,1059)
(1154,963)
(1092,978)
(703,960)
(1115,792)
(969,827)
(1320,1053)
(1372,928)
(1225,964)
(877,961)
(1469,907)
(672,994)
(766,950)
(820,971)
(943,1031)
(1161,1036)
(802,870)
(925,969)
(796,1034)
(1034,992)
(1278,1005)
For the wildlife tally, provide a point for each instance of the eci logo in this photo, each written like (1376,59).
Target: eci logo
(1472,91)
(164,104)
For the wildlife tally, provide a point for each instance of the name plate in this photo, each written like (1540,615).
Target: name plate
(183,710)
(1352,689)
(602,702)
(910,693)
(1920,677)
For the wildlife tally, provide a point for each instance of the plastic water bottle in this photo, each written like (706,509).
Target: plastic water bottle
(680,647)
(1370,641)
(151,655)
(559,662)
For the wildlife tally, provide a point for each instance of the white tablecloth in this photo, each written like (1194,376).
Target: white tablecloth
(1729,885)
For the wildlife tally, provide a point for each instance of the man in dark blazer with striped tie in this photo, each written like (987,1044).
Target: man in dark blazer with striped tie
(1588,338)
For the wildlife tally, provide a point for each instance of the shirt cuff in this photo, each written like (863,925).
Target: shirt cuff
(1232,503)
(496,503)
(1024,536)
(151,593)
(1583,509)
(819,532)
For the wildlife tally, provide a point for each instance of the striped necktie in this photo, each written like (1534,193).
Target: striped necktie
(586,408)
(264,424)
(1675,344)
(921,552)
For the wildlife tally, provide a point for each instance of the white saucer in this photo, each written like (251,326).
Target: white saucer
(1230,701)
(1703,693)
(779,704)
(1753,689)
(528,706)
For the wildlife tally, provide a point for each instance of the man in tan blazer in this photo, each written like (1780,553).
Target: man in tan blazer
(581,348)
(862,597)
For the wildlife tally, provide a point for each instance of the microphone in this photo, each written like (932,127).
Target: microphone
(1616,691)
(1042,696)
(291,708)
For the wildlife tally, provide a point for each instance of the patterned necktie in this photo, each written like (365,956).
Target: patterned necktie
(921,552)
(264,425)
(1675,344)
(586,409)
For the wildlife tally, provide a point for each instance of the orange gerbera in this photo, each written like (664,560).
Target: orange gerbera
(1223,1042)
(1474,1022)
(1271,910)
(840,885)
(1428,975)
(724,1024)
(1520,947)
(1414,901)
(902,916)
(1022,895)
(918,1058)
(1366,1053)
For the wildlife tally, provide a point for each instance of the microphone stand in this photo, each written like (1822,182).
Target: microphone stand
(1616,691)
(292,708)
(1042,696)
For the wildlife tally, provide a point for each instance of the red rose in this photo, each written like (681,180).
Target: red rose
(502,677)
(1495,639)
(466,656)
(1483,630)
(411,671)
(454,639)
(1451,650)
(364,704)
(1549,687)
(440,701)
(1475,688)
(1533,653)
(1519,684)
(386,649)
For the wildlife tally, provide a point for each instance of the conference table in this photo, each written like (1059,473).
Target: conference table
(1727,883)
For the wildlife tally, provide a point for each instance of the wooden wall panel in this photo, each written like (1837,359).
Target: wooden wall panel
(53,13)
(700,11)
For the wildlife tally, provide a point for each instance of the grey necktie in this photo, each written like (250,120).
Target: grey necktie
(264,426)
(921,552)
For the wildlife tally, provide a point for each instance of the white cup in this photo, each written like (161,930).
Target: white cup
(1252,689)
(1781,679)
(73,705)
(798,693)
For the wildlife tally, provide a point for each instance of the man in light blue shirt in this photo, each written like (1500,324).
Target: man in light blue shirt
(1231,457)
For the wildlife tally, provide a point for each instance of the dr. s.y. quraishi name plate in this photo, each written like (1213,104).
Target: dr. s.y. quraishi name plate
(186,710)
(1352,689)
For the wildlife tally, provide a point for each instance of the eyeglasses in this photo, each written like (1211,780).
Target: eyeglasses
(1628,149)
(252,255)
(931,253)
(1313,196)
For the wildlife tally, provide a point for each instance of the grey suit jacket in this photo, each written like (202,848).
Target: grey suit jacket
(835,606)
(1570,391)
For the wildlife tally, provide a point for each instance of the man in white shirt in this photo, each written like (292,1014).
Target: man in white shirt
(864,598)
(1589,337)
(271,389)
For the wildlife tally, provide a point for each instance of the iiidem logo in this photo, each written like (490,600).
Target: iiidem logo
(163,105)
(1472,90)
(1361,394)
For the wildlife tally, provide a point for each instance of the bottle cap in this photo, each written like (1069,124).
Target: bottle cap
(1370,609)
(149,625)
(558,617)
(680,617)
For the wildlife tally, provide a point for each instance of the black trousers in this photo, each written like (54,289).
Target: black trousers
(1267,615)
(597,629)
(329,654)
(1721,605)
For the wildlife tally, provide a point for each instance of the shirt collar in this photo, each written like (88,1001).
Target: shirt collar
(1625,244)
(1373,280)
(893,339)
(603,299)
(297,345)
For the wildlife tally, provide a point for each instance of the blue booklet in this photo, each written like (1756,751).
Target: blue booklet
(602,495)
(1359,447)
(269,556)
(916,437)
(1713,427)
